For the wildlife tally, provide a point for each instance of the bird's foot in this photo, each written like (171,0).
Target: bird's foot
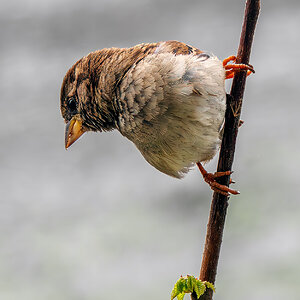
(231,69)
(210,178)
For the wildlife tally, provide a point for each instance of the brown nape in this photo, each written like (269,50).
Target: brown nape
(179,48)
(117,61)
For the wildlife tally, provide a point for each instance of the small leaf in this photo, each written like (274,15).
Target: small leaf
(210,285)
(180,284)
(185,286)
(178,288)
(174,292)
(180,296)
(190,283)
(199,288)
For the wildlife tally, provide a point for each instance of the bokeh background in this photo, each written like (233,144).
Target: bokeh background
(98,222)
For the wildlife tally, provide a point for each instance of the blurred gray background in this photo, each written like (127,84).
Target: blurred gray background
(98,222)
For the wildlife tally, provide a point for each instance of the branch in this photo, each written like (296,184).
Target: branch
(219,203)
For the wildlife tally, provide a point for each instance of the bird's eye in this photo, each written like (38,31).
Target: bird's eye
(72,104)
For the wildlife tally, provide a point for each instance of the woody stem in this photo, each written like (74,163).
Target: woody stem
(219,203)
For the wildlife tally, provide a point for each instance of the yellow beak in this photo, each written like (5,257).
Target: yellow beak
(73,132)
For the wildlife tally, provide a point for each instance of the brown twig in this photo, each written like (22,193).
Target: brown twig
(219,203)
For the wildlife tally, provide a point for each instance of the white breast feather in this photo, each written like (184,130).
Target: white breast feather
(183,99)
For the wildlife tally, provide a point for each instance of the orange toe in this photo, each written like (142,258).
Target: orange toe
(210,178)
(231,69)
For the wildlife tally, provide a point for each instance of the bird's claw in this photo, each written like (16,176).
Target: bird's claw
(232,68)
(210,178)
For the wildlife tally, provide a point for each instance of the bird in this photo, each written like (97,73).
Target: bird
(168,98)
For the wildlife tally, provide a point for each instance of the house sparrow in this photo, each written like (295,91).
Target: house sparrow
(168,98)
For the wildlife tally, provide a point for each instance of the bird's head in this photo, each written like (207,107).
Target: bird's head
(84,106)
